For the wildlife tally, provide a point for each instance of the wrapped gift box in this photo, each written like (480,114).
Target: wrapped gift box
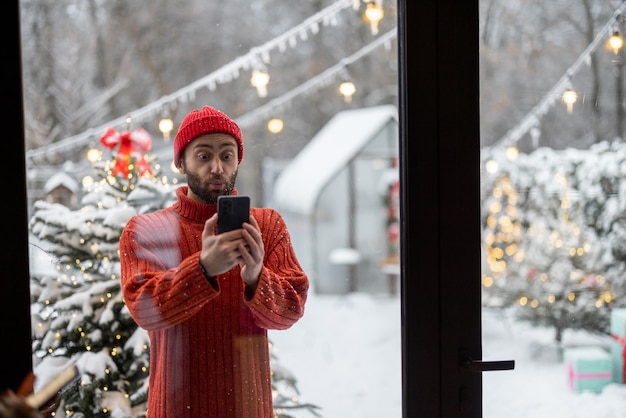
(588,368)
(618,332)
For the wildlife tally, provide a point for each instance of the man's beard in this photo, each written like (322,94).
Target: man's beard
(201,187)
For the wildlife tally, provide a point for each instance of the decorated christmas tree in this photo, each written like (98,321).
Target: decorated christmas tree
(549,224)
(78,312)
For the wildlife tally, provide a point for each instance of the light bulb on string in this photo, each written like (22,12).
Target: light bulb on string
(347,90)
(166,125)
(275,125)
(94,155)
(87,182)
(511,153)
(569,98)
(373,15)
(259,80)
(491,166)
(615,42)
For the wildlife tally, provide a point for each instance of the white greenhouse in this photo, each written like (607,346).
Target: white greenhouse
(334,196)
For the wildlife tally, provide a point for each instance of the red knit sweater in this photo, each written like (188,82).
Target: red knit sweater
(209,354)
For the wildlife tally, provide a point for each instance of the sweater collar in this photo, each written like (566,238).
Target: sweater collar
(193,209)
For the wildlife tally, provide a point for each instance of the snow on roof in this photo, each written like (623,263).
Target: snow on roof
(61,179)
(303,179)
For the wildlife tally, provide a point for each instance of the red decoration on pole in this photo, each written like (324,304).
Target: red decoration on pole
(393,211)
(132,145)
(622,342)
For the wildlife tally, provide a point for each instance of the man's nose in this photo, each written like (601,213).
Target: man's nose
(216,167)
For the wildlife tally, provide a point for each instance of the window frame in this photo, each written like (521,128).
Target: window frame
(440,229)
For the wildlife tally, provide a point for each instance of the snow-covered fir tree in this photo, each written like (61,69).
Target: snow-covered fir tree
(78,312)
(554,232)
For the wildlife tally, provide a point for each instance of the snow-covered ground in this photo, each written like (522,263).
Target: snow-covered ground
(346,356)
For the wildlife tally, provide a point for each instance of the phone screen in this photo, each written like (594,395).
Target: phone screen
(232,212)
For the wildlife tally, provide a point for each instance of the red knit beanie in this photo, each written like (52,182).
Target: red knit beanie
(206,121)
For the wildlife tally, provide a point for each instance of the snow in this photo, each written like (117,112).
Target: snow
(61,179)
(345,354)
(347,256)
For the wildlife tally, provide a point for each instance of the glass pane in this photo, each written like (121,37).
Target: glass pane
(552,203)
(106,86)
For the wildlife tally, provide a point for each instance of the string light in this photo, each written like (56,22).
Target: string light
(512,153)
(491,166)
(518,131)
(615,42)
(166,125)
(373,15)
(347,90)
(260,79)
(94,155)
(275,125)
(569,98)
(229,72)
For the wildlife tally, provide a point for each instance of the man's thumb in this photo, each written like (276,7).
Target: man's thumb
(209,225)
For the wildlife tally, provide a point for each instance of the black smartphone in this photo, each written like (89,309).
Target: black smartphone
(232,212)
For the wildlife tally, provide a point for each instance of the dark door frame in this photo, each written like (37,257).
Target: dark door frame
(440,207)
(15,331)
(440,271)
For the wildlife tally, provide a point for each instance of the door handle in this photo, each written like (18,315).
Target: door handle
(479,366)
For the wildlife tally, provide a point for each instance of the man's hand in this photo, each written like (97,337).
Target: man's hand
(252,253)
(15,406)
(222,252)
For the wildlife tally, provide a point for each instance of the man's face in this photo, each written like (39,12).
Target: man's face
(210,165)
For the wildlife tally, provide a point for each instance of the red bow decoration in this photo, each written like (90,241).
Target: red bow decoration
(132,145)
(621,341)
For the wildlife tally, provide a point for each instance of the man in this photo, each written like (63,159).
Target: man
(13,405)
(208,299)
